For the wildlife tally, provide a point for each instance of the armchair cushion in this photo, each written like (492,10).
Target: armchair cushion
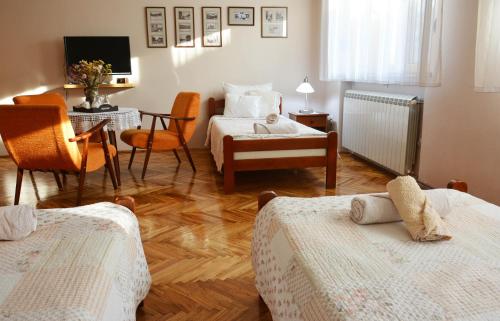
(96,158)
(163,139)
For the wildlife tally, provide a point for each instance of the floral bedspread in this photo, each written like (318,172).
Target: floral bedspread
(313,263)
(84,263)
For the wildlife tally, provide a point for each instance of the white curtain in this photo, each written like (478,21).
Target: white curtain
(488,47)
(382,41)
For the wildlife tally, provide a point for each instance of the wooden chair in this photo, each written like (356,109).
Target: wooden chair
(181,127)
(41,138)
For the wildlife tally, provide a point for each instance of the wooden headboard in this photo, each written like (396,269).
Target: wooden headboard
(216,107)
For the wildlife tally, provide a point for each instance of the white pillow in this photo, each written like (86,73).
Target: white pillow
(270,104)
(242,106)
(242,89)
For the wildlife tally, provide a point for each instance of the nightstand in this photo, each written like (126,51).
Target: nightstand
(317,121)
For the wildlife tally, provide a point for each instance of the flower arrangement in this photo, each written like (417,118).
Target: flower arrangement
(90,75)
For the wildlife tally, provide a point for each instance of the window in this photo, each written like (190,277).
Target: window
(382,41)
(488,47)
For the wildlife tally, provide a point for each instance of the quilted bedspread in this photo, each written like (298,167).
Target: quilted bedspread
(313,263)
(84,263)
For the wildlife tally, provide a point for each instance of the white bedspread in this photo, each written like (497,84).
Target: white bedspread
(242,128)
(85,263)
(313,263)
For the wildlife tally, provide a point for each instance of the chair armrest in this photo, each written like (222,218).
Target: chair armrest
(90,132)
(181,118)
(153,114)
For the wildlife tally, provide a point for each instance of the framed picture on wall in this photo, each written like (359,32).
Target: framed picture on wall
(274,22)
(184,27)
(241,16)
(156,26)
(211,19)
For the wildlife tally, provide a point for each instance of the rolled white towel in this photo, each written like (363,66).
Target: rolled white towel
(272,118)
(379,208)
(279,128)
(17,222)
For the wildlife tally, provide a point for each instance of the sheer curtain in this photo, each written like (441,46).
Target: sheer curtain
(488,47)
(382,41)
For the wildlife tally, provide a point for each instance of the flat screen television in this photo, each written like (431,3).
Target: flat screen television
(112,50)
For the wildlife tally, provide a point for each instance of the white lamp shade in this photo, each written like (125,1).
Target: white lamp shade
(305,88)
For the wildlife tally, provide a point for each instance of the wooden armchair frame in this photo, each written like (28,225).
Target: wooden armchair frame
(84,138)
(149,147)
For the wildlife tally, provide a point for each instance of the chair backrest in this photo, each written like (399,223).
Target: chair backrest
(43,99)
(187,104)
(37,137)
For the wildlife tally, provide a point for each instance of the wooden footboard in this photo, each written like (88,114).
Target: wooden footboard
(232,146)
(267,196)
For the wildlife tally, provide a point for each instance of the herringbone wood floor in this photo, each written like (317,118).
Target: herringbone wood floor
(196,239)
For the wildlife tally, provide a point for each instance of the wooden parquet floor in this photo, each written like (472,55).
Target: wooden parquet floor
(196,239)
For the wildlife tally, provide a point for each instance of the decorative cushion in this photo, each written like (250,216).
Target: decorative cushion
(243,89)
(270,103)
(242,106)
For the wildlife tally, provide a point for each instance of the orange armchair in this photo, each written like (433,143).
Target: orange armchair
(181,127)
(41,138)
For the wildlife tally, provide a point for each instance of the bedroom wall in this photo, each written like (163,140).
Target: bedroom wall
(461,135)
(32,51)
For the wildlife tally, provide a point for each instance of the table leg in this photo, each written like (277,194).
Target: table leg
(116,161)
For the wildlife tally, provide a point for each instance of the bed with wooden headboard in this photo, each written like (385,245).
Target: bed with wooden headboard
(232,147)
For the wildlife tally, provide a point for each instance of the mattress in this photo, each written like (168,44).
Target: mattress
(242,129)
(85,263)
(313,263)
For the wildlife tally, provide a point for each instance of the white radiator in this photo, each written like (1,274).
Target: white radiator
(382,128)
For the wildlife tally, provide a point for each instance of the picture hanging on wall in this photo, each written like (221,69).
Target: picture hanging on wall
(241,16)
(274,22)
(156,27)
(212,26)
(184,27)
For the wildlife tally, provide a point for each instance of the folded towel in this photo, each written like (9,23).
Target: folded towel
(379,208)
(279,128)
(272,118)
(421,219)
(17,222)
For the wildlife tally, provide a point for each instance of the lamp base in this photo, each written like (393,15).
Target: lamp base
(306,111)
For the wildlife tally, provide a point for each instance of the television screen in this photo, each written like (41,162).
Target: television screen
(112,50)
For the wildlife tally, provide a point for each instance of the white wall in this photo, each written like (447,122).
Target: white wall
(32,57)
(461,131)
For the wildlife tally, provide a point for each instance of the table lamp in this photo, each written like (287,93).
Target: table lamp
(305,88)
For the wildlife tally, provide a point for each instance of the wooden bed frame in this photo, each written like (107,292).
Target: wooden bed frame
(267,196)
(231,146)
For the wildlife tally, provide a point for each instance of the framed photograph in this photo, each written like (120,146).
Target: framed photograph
(184,27)
(211,19)
(156,26)
(241,16)
(274,22)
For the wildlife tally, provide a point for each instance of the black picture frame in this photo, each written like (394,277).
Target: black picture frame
(204,18)
(243,10)
(180,23)
(156,27)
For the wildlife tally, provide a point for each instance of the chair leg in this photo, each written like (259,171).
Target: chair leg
(58,180)
(110,170)
(81,183)
(19,182)
(177,156)
(188,154)
(132,155)
(146,161)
